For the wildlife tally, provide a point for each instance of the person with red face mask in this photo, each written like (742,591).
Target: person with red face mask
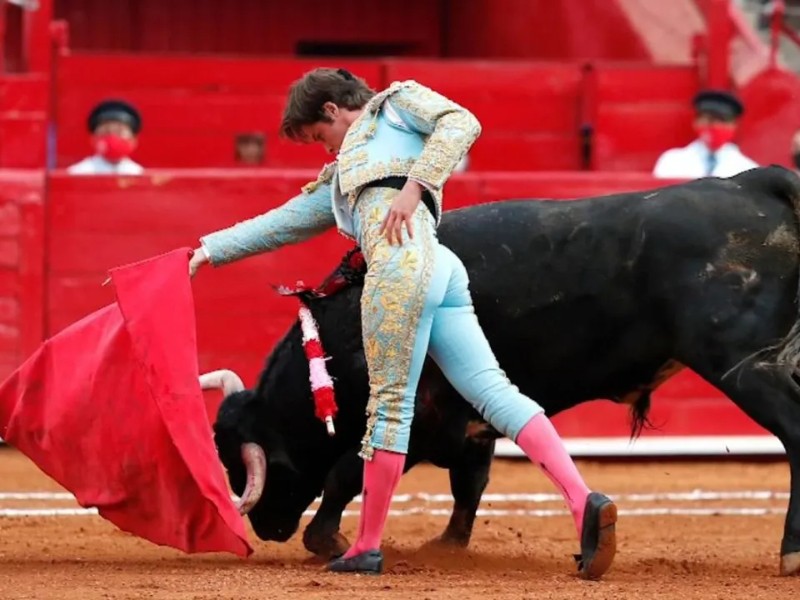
(714,152)
(114,126)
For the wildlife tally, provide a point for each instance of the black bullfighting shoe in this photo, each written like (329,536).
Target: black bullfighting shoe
(367,563)
(598,536)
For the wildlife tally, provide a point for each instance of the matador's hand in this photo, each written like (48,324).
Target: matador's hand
(199,258)
(401,211)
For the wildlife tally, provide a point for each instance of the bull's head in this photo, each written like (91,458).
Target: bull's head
(271,491)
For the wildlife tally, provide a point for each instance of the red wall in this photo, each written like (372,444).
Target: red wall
(22,241)
(94,224)
(54,264)
(23,120)
(191,107)
(541,29)
(250,27)
(640,111)
(531,112)
(11,40)
(98,223)
(772,116)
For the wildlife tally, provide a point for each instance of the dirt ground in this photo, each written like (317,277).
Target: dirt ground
(674,543)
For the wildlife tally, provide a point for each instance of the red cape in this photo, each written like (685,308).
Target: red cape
(111,408)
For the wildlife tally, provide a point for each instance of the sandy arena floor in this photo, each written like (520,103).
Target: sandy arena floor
(674,543)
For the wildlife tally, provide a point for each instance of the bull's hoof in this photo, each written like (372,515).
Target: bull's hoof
(599,538)
(452,540)
(328,546)
(446,544)
(790,564)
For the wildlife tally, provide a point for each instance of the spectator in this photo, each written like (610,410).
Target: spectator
(114,126)
(713,152)
(250,149)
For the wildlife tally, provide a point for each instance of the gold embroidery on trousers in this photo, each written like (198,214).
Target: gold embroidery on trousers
(392,302)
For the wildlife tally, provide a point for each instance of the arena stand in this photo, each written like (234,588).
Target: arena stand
(583,119)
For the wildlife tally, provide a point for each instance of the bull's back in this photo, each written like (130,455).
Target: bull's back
(555,292)
(591,294)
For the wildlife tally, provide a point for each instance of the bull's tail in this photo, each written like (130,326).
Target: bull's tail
(787,186)
(784,185)
(640,416)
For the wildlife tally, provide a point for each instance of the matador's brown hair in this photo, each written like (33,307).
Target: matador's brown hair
(309,93)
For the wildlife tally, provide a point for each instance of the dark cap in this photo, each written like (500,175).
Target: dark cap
(719,103)
(115,110)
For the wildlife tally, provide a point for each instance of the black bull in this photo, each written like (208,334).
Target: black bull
(596,298)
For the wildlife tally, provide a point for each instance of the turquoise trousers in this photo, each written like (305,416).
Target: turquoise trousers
(416,301)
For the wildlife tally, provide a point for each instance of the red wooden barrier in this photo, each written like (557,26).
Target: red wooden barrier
(98,223)
(52,266)
(22,242)
(94,224)
(641,111)
(23,120)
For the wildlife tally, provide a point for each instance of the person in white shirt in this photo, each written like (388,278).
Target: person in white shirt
(114,126)
(713,153)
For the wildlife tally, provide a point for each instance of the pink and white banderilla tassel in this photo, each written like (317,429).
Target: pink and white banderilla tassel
(321,383)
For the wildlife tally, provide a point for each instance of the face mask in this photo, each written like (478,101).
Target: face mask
(113,147)
(716,135)
(796,159)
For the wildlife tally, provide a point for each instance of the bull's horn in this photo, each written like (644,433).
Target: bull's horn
(224,379)
(255,461)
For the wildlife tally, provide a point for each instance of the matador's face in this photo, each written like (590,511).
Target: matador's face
(330,132)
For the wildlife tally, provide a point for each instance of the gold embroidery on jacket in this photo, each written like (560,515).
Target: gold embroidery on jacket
(453,131)
(325,176)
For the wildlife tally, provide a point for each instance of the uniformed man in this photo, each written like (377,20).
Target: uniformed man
(114,126)
(713,153)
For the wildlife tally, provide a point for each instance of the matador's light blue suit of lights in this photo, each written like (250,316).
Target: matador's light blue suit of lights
(416,298)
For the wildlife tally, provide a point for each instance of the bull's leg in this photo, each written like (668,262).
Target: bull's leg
(468,480)
(772,399)
(344,482)
(321,536)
